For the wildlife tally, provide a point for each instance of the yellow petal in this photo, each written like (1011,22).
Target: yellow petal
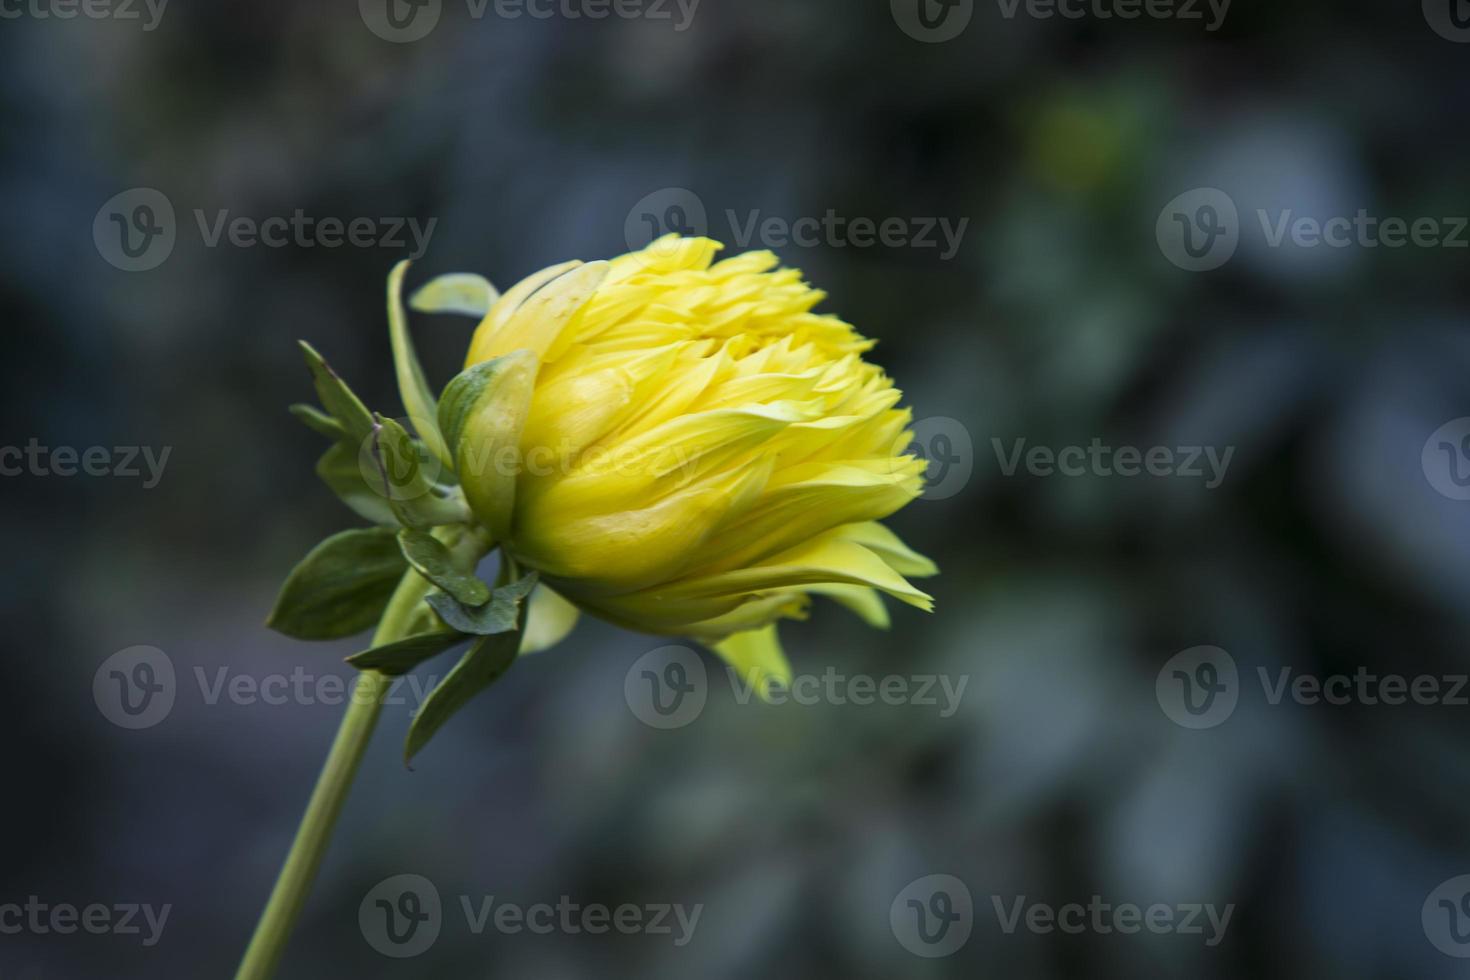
(829,557)
(792,510)
(757,657)
(862,600)
(752,614)
(539,323)
(549,618)
(608,552)
(884,543)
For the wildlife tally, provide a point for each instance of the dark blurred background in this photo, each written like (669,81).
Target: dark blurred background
(1104,169)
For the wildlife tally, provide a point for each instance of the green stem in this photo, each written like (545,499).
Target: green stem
(312,837)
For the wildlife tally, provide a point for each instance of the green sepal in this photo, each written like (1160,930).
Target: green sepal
(481,414)
(319,421)
(501,614)
(404,655)
(341,587)
(482,665)
(415,499)
(340,468)
(436,563)
(457,292)
(337,398)
(413,387)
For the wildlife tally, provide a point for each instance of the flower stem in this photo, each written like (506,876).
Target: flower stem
(297,874)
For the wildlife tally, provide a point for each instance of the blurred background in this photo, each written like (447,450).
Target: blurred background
(1098,233)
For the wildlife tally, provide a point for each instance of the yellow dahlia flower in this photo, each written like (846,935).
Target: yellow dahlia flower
(674,444)
(699,453)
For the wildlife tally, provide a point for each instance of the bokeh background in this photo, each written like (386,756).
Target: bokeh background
(1334,544)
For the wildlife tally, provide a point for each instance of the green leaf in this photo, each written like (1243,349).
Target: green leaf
(418,397)
(405,482)
(501,613)
(482,665)
(341,587)
(436,563)
(404,655)
(319,421)
(458,292)
(341,469)
(481,414)
(337,398)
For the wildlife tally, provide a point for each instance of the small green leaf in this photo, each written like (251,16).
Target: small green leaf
(404,655)
(482,665)
(481,414)
(319,421)
(341,587)
(500,614)
(458,292)
(341,469)
(337,398)
(416,500)
(418,397)
(435,563)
